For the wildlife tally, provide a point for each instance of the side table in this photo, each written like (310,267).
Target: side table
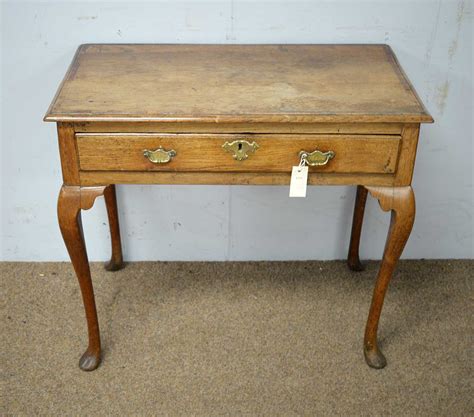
(236,114)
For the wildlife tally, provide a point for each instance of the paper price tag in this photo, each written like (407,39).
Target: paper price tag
(299,181)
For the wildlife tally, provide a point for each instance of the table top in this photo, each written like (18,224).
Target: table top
(236,83)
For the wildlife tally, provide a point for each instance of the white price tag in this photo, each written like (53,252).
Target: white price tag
(299,181)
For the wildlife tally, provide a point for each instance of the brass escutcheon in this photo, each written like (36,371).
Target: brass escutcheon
(159,156)
(240,148)
(316,158)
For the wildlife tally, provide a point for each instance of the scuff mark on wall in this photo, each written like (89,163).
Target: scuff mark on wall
(461,12)
(452,49)
(429,52)
(442,93)
(459,18)
(230,36)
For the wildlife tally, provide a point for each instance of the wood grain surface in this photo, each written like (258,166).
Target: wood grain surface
(236,83)
(204,152)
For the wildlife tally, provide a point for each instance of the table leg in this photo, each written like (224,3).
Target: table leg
(353,260)
(73,199)
(116,260)
(401,202)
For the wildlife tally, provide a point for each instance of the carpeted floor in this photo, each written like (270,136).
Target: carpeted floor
(238,339)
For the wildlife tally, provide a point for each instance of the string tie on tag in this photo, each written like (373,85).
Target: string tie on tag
(302,162)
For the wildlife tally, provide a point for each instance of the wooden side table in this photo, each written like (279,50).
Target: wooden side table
(236,114)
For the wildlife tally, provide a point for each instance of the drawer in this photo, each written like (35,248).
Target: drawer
(376,154)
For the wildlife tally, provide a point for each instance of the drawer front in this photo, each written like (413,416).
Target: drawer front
(376,154)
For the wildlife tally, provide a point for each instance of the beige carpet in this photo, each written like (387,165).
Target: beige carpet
(238,339)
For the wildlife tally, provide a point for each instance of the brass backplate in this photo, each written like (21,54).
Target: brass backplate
(240,148)
(316,158)
(159,156)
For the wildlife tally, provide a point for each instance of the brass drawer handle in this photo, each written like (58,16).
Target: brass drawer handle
(240,148)
(316,158)
(159,156)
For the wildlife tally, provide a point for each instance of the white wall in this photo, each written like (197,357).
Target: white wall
(432,39)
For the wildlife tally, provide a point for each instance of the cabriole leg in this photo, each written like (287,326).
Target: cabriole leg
(70,202)
(401,202)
